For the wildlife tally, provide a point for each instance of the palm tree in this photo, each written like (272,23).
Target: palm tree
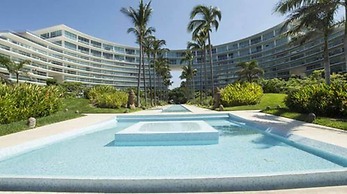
(289,6)
(188,72)
(249,71)
(312,21)
(199,43)
(158,51)
(139,18)
(147,47)
(163,70)
(210,17)
(13,67)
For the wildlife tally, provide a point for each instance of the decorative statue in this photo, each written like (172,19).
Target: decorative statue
(31,122)
(216,99)
(131,100)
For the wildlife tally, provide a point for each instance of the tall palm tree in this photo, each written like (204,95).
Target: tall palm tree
(140,18)
(188,72)
(249,71)
(163,70)
(289,6)
(199,44)
(147,34)
(311,21)
(147,47)
(210,18)
(12,66)
(158,51)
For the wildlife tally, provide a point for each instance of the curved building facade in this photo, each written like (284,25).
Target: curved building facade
(66,54)
(275,55)
(69,55)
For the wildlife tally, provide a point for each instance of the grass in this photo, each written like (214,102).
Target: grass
(68,111)
(273,100)
(269,99)
(339,123)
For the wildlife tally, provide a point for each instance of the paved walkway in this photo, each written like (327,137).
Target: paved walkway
(282,125)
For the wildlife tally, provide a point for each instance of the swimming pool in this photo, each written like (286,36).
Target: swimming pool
(246,158)
(175,108)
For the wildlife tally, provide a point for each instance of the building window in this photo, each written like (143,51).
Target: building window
(45,35)
(56,33)
(70,35)
(108,47)
(70,45)
(83,40)
(130,51)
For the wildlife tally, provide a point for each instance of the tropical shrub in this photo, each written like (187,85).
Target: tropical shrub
(241,94)
(21,101)
(177,95)
(274,85)
(73,89)
(107,97)
(94,91)
(51,81)
(321,99)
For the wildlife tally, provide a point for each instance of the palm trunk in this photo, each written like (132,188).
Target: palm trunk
(150,79)
(205,73)
(201,77)
(193,84)
(155,80)
(326,60)
(211,63)
(345,36)
(138,101)
(144,76)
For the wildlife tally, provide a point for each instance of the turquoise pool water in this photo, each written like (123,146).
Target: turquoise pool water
(241,151)
(176,108)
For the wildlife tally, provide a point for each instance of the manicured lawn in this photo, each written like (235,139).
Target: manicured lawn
(71,104)
(338,123)
(272,100)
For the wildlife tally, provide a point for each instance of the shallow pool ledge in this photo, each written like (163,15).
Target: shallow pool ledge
(222,184)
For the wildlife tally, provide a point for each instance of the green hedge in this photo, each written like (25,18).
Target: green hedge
(21,101)
(321,99)
(241,94)
(107,97)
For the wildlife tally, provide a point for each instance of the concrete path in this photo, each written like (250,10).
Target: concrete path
(287,126)
(52,129)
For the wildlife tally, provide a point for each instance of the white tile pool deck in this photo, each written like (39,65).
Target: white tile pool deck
(282,125)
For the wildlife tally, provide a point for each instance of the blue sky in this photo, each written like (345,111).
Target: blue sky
(103,19)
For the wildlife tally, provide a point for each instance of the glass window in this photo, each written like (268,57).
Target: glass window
(56,33)
(255,40)
(45,35)
(108,47)
(130,51)
(70,45)
(95,44)
(83,49)
(119,49)
(70,35)
(83,40)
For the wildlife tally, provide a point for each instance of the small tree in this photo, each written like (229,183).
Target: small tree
(12,66)
(249,71)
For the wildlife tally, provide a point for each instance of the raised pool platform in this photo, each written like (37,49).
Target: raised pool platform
(166,133)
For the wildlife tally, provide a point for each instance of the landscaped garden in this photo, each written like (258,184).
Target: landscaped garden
(55,103)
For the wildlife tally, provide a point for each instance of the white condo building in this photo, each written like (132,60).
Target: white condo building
(66,54)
